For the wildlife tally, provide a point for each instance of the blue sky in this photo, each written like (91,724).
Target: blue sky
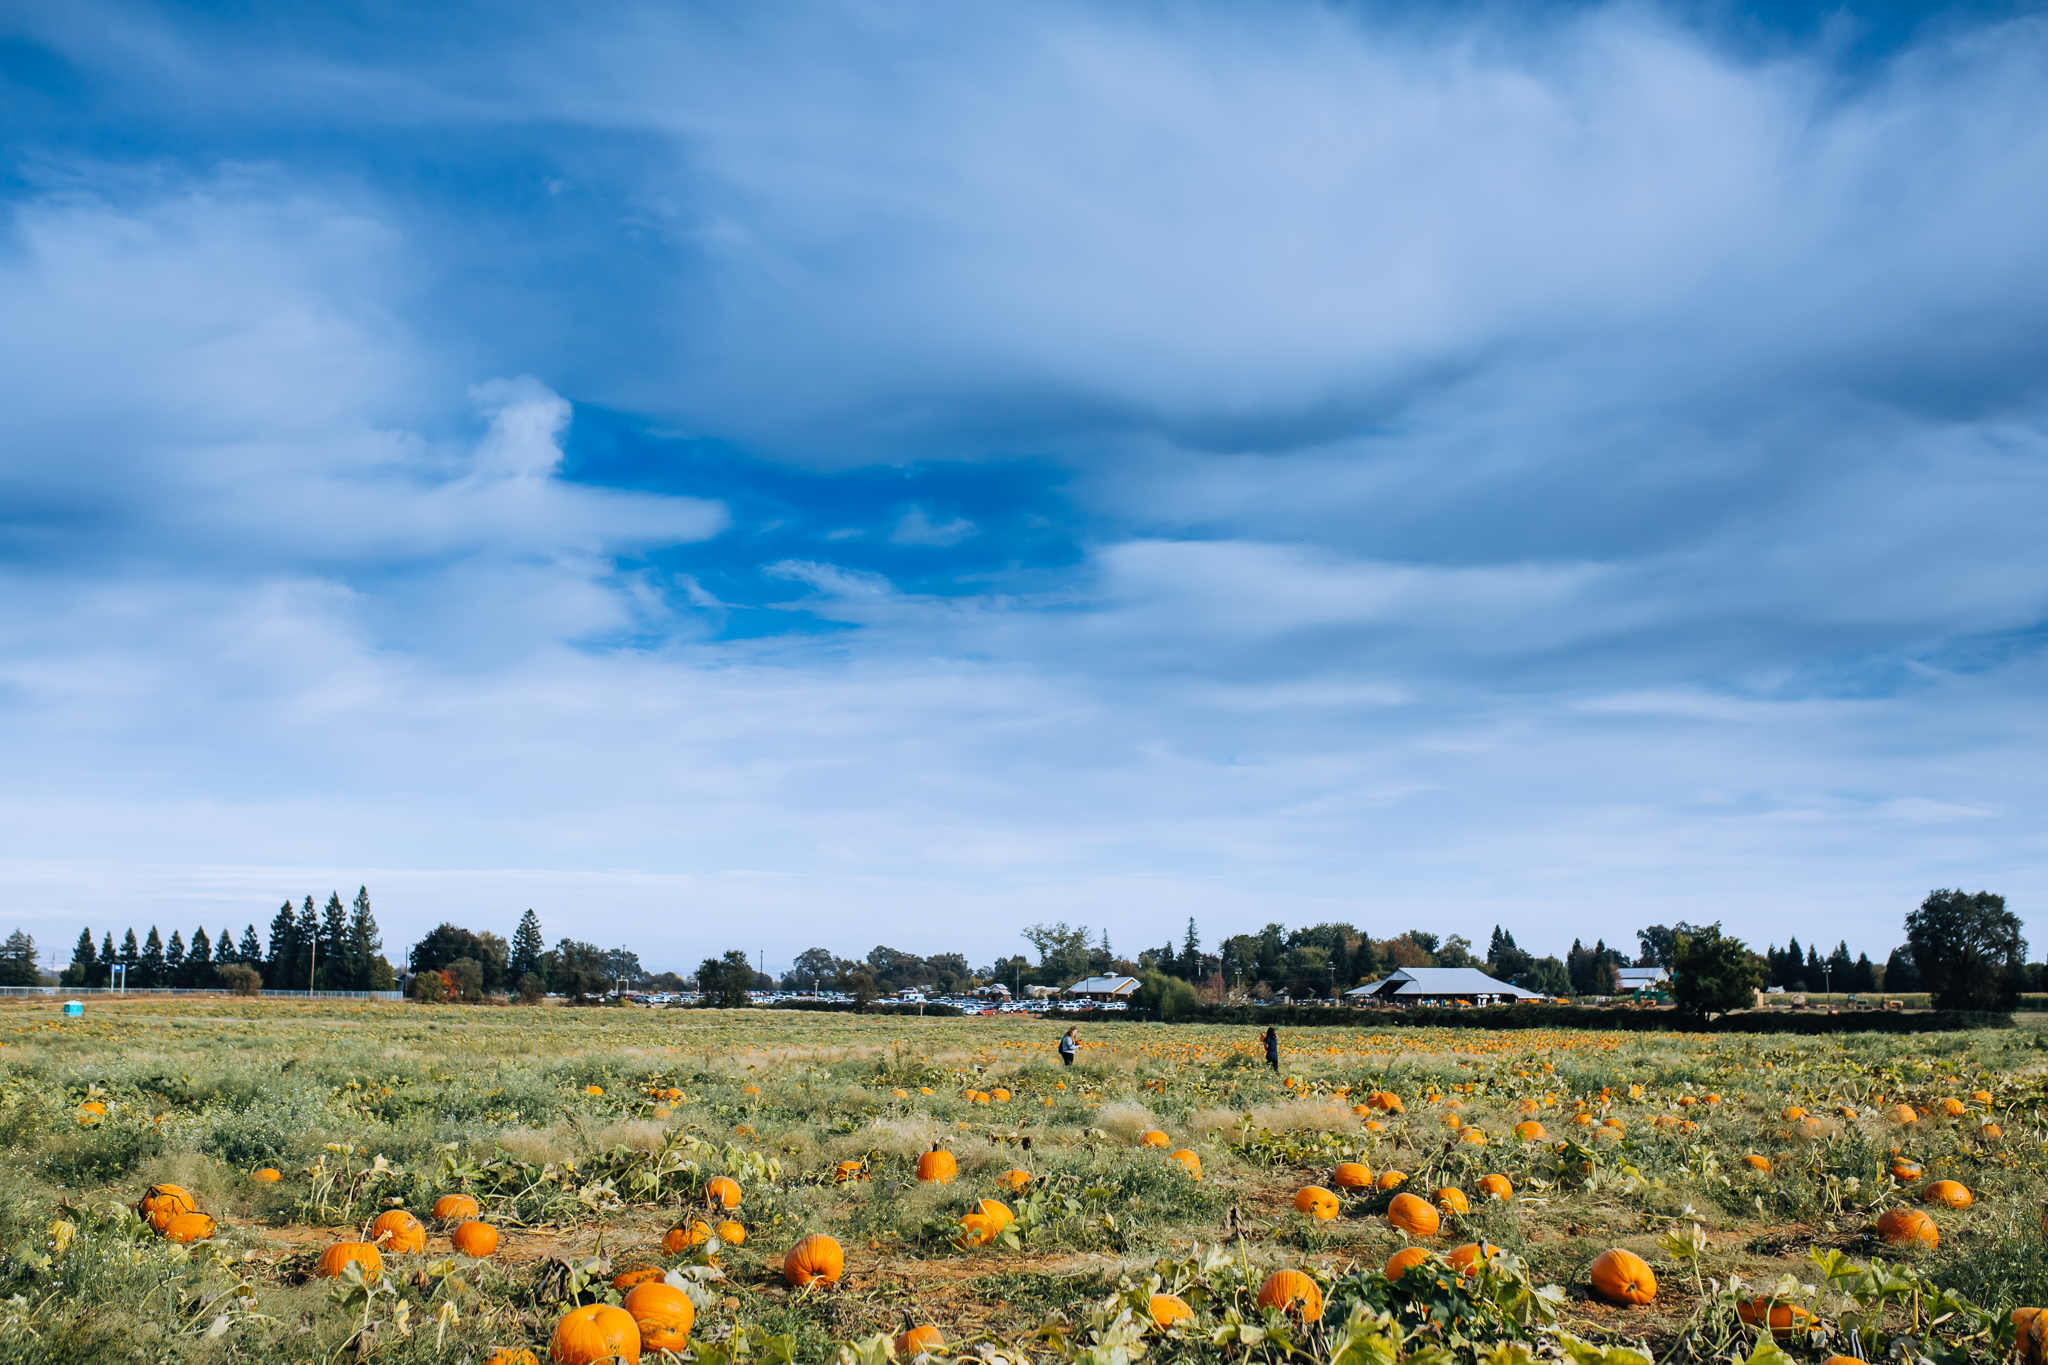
(880,473)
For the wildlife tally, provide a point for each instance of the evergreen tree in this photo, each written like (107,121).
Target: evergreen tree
(150,972)
(224,953)
(306,960)
(85,963)
(174,960)
(284,948)
(199,960)
(1863,976)
(1901,977)
(107,960)
(529,949)
(251,952)
(334,945)
(1191,953)
(18,961)
(365,945)
(131,957)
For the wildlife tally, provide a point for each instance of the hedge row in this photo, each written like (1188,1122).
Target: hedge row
(1583,1017)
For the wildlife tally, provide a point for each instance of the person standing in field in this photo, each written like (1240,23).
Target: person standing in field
(1070,1043)
(1273,1048)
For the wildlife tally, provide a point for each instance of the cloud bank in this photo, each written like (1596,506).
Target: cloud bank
(870,478)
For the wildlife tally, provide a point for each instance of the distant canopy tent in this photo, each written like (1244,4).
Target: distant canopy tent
(1441,985)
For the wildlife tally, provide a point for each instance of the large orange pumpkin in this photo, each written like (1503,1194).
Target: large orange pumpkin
(474,1238)
(1470,1258)
(1623,1277)
(396,1230)
(1496,1187)
(593,1333)
(995,1209)
(936,1167)
(1400,1261)
(1413,1215)
(188,1227)
(1908,1227)
(1391,1180)
(1317,1202)
(337,1257)
(1188,1161)
(1950,1192)
(723,1190)
(1529,1130)
(636,1274)
(169,1200)
(913,1341)
(1154,1138)
(732,1233)
(1451,1199)
(455,1208)
(268,1175)
(817,1259)
(1167,1309)
(977,1230)
(680,1238)
(663,1314)
(1785,1320)
(1294,1294)
(1015,1180)
(1352,1175)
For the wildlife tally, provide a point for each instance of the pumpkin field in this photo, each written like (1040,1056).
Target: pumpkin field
(214,1180)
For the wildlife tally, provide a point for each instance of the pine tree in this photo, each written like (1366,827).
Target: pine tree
(107,960)
(85,963)
(224,949)
(174,960)
(199,960)
(151,969)
(529,949)
(364,943)
(1191,952)
(284,948)
(308,959)
(251,951)
(334,945)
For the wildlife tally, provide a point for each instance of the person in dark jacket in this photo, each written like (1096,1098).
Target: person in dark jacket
(1070,1042)
(1273,1048)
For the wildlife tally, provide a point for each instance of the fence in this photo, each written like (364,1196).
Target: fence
(117,993)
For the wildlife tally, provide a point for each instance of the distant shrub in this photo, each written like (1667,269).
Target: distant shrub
(239,978)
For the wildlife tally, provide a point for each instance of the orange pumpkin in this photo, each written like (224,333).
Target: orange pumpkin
(848,1170)
(995,1209)
(1015,1180)
(1950,1192)
(1187,1161)
(593,1333)
(512,1355)
(977,1230)
(817,1259)
(269,1175)
(1352,1175)
(1391,1180)
(1757,1163)
(636,1274)
(683,1236)
(1793,1114)
(455,1208)
(1413,1215)
(1154,1138)
(1317,1202)
(913,1341)
(169,1200)
(1451,1199)
(1294,1294)
(1529,1130)
(1905,1170)
(731,1233)
(337,1258)
(1623,1277)
(1908,1227)
(188,1227)
(1399,1263)
(936,1167)
(1953,1107)
(1496,1187)
(723,1190)
(1902,1114)
(1472,1257)
(474,1238)
(1167,1309)
(1785,1320)
(396,1230)
(663,1314)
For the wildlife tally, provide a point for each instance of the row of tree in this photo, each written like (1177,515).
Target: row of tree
(452,962)
(338,950)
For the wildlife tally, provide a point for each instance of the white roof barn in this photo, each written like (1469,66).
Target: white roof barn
(1105,987)
(1641,978)
(1420,985)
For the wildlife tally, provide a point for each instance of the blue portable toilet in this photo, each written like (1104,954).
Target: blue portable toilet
(73,1009)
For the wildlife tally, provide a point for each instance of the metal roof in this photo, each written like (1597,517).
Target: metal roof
(1104,985)
(1419,982)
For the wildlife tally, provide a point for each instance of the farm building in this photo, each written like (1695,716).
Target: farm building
(1439,986)
(1104,988)
(1632,979)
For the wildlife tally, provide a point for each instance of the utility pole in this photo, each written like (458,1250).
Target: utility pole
(1827,972)
(314,969)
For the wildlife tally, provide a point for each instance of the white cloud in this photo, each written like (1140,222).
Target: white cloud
(917,528)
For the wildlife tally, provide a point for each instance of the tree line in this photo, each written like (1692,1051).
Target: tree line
(335,949)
